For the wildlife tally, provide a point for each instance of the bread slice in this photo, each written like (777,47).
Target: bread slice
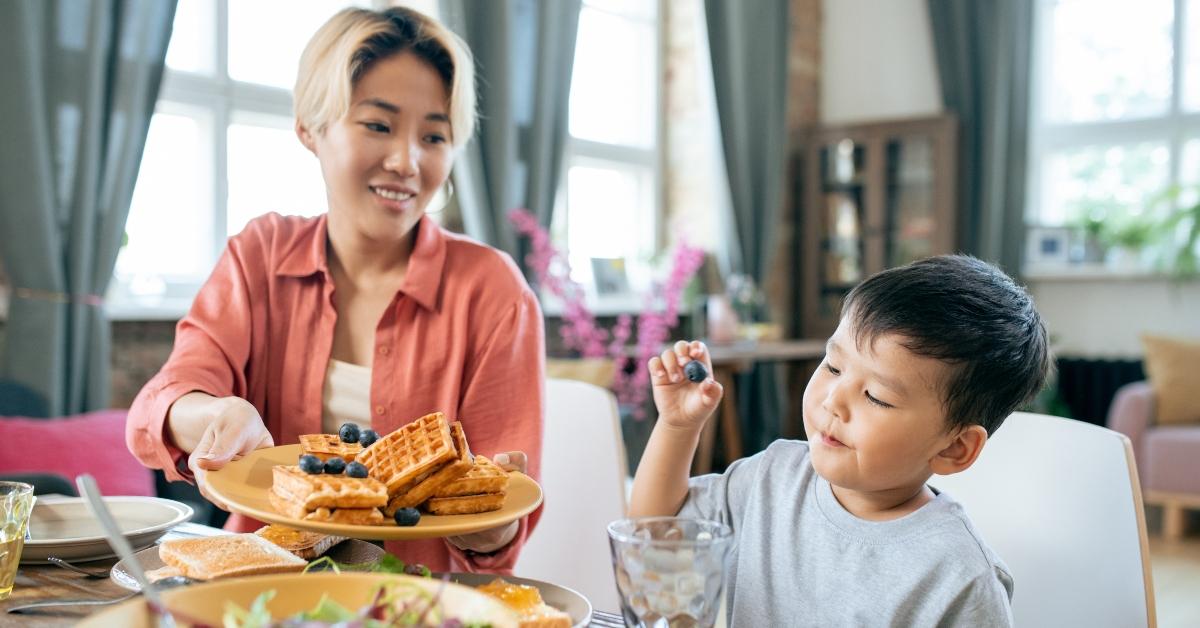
(228,556)
(302,543)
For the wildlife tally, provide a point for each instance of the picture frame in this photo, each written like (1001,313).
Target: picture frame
(1048,246)
(609,276)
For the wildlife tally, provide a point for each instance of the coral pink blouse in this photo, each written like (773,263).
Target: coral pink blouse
(463,335)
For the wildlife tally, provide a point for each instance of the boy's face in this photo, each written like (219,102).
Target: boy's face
(876,417)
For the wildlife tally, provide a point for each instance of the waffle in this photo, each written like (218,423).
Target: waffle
(426,488)
(468,505)
(410,454)
(329,491)
(485,477)
(326,446)
(351,516)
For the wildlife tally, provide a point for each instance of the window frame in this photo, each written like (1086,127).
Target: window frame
(226,101)
(1173,128)
(586,152)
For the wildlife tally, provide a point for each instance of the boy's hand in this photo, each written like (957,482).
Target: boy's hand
(682,403)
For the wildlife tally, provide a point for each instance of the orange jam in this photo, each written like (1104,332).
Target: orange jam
(521,598)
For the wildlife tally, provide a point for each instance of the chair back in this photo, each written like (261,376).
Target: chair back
(1059,501)
(583,481)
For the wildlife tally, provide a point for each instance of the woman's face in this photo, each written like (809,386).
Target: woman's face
(385,159)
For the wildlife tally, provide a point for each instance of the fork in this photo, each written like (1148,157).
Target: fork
(77,569)
(33,605)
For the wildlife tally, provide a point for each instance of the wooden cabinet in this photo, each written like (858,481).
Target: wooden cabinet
(871,196)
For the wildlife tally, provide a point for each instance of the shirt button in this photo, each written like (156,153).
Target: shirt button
(385,350)
(379,410)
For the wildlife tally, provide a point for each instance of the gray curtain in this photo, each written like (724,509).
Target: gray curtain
(79,82)
(983,58)
(524,51)
(748,42)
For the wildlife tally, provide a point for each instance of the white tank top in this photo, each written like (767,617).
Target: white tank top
(346,397)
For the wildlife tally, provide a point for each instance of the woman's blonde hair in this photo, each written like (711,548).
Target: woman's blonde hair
(346,46)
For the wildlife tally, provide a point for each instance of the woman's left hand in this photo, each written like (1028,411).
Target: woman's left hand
(492,539)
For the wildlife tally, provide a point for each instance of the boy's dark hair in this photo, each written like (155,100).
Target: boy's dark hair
(968,313)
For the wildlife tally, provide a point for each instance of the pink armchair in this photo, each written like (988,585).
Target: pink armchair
(1168,456)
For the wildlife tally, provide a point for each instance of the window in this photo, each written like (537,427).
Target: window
(1115,117)
(221,150)
(610,199)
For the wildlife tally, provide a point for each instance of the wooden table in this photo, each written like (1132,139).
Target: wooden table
(45,582)
(729,359)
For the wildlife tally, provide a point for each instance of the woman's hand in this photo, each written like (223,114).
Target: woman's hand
(493,539)
(683,404)
(234,430)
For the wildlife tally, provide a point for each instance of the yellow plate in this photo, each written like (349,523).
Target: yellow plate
(244,484)
(294,593)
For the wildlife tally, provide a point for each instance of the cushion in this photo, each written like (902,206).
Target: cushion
(1173,368)
(87,443)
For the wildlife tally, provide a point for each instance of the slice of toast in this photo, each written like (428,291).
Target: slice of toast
(484,477)
(302,543)
(410,454)
(326,446)
(468,505)
(228,556)
(448,473)
(312,491)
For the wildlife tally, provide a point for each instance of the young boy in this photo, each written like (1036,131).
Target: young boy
(927,362)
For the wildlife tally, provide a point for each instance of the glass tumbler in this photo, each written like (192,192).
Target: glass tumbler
(16,502)
(669,570)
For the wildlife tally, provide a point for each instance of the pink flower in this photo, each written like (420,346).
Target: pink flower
(580,331)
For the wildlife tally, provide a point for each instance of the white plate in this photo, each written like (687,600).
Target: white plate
(567,600)
(64,527)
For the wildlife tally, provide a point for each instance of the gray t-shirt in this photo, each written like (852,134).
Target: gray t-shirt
(801,559)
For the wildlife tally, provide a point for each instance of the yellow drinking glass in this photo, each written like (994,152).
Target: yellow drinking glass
(16,502)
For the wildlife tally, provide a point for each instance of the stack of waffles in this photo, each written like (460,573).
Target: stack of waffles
(327,498)
(420,461)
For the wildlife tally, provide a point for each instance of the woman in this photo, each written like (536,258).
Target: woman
(370,313)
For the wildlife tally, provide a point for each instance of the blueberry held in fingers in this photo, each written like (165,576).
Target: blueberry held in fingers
(335,466)
(695,371)
(311,464)
(407,516)
(349,433)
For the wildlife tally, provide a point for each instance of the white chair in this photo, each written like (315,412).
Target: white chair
(1059,501)
(583,480)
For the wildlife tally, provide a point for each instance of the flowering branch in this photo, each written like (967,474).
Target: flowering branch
(580,331)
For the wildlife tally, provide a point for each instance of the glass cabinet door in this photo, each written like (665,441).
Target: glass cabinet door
(841,219)
(910,204)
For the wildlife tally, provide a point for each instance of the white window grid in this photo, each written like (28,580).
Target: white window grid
(1173,128)
(648,160)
